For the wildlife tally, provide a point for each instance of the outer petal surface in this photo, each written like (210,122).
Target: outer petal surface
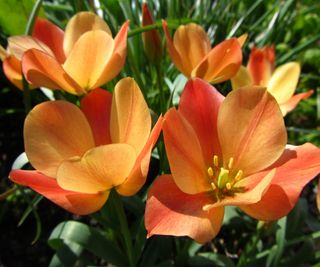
(100,169)
(55,131)
(79,24)
(169,211)
(51,35)
(294,101)
(40,69)
(88,58)
(318,195)
(294,169)
(199,104)
(130,116)
(138,174)
(74,202)
(284,81)
(251,129)
(241,79)
(184,153)
(12,69)
(221,63)
(97,107)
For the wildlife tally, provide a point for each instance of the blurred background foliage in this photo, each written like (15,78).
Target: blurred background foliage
(292,25)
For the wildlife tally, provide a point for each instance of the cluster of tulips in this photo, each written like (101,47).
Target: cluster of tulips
(221,150)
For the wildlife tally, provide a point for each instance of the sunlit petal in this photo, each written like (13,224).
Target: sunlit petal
(241,79)
(294,101)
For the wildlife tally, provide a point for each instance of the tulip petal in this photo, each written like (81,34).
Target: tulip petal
(130,116)
(138,174)
(242,39)
(12,69)
(318,195)
(251,129)
(283,81)
(79,24)
(51,35)
(199,104)
(261,64)
(294,169)
(40,69)
(97,107)
(17,45)
(241,79)
(117,59)
(221,63)
(88,58)
(55,131)
(294,101)
(100,169)
(174,54)
(169,211)
(184,153)
(77,203)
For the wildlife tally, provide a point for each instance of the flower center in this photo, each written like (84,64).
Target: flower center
(224,178)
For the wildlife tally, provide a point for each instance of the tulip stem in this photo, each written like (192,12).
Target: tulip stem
(124,228)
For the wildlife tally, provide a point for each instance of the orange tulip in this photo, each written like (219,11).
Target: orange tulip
(80,155)
(45,36)
(191,52)
(79,60)
(280,82)
(225,152)
(152,42)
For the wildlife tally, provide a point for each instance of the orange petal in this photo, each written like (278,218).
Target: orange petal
(40,69)
(241,79)
(318,195)
(294,101)
(77,203)
(100,169)
(192,44)
(17,45)
(283,81)
(242,39)
(130,116)
(199,104)
(118,57)
(251,129)
(174,54)
(55,131)
(79,24)
(184,153)
(261,64)
(12,69)
(89,56)
(51,35)
(294,169)
(138,174)
(97,107)
(221,63)
(169,211)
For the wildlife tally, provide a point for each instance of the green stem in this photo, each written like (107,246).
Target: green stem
(125,232)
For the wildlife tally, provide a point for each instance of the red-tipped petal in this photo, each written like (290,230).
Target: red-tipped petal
(199,104)
(169,211)
(74,202)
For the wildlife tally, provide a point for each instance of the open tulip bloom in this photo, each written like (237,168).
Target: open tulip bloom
(280,82)
(226,151)
(80,59)
(191,52)
(80,155)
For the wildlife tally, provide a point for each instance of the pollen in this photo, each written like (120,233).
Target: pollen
(238,175)
(230,163)
(215,161)
(210,171)
(228,186)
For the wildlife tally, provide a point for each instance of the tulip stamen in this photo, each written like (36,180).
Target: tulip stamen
(210,172)
(215,161)
(230,163)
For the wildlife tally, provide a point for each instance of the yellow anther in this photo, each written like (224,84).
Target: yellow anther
(230,163)
(228,186)
(213,186)
(238,175)
(210,171)
(215,161)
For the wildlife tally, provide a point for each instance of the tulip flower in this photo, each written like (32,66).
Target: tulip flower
(225,152)
(152,42)
(191,52)
(280,82)
(45,36)
(80,155)
(81,59)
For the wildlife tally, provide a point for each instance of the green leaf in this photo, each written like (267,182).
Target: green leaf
(211,259)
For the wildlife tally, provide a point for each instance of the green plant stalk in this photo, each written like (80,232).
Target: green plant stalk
(125,232)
